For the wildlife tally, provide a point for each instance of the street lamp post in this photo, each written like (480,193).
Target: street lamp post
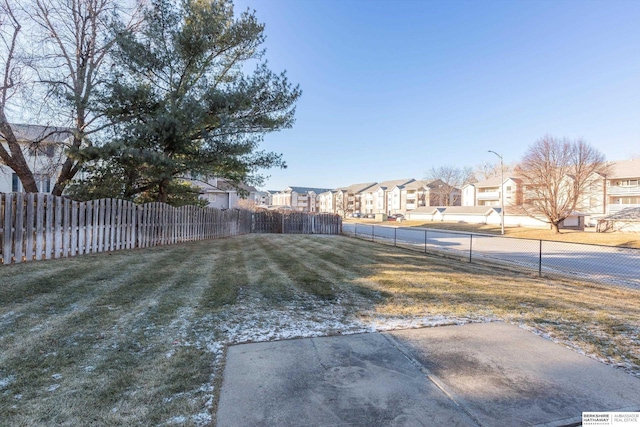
(501,190)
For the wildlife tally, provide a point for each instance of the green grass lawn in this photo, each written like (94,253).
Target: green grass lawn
(139,337)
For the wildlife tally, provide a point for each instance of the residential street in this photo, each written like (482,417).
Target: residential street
(620,266)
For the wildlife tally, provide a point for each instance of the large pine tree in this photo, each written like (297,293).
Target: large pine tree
(182,104)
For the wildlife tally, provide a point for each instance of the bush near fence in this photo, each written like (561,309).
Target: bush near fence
(35,226)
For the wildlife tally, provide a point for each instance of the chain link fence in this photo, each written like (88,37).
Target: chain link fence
(607,264)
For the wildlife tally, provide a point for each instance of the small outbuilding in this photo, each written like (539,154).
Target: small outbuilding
(627,219)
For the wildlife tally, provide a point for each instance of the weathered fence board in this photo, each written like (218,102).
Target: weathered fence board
(41,226)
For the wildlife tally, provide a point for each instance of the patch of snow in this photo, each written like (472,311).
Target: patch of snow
(176,420)
(18,397)
(4,382)
(56,376)
(89,368)
(202,419)
(53,387)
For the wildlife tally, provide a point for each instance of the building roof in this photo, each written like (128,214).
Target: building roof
(626,214)
(301,190)
(422,183)
(424,209)
(390,184)
(469,210)
(357,188)
(38,133)
(624,169)
(494,181)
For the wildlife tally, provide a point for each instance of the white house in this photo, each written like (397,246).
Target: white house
(43,148)
(221,194)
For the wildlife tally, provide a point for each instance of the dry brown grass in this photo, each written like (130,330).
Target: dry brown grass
(137,337)
(627,240)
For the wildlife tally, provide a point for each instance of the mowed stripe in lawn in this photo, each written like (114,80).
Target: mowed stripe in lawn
(302,271)
(109,340)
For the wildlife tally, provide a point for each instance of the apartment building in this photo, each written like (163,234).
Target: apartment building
(303,199)
(376,199)
(622,189)
(349,199)
(420,193)
(603,195)
(489,192)
(43,148)
(264,198)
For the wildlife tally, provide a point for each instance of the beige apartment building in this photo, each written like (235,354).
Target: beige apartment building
(604,194)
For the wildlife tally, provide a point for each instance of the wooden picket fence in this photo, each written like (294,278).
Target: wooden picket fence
(296,223)
(42,226)
(36,226)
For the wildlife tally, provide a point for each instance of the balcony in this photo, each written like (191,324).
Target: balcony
(613,208)
(489,195)
(623,191)
(411,206)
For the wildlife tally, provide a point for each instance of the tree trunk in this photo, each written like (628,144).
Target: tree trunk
(554,228)
(163,193)
(14,159)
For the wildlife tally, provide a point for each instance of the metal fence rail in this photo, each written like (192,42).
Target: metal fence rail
(612,265)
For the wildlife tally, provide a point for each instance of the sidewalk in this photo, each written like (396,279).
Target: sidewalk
(491,374)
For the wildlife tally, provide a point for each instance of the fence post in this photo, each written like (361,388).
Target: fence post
(540,261)
(355,232)
(373,233)
(425,241)
(470,246)
(395,234)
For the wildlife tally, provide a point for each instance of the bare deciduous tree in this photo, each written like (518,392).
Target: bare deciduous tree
(342,205)
(453,179)
(76,40)
(556,173)
(12,79)
(489,169)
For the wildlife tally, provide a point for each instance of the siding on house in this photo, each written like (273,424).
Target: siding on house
(222,194)
(43,148)
(488,192)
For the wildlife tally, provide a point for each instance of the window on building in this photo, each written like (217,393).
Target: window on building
(15,183)
(43,182)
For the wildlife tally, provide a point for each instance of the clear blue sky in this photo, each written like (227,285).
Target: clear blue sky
(392,88)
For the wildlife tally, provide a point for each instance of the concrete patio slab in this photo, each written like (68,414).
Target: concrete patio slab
(356,380)
(506,376)
(491,374)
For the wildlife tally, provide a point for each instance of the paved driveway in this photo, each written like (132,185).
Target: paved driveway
(491,374)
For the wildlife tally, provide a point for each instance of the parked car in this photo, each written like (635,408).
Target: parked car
(395,217)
